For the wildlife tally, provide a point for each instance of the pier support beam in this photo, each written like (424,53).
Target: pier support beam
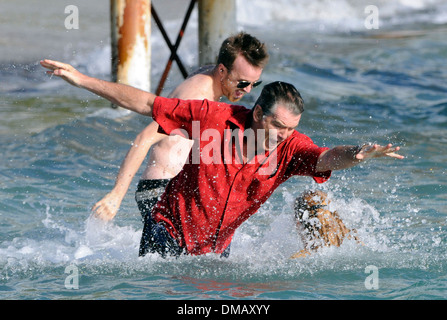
(131,43)
(217,21)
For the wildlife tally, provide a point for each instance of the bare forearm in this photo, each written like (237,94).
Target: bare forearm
(129,168)
(338,158)
(343,157)
(108,206)
(120,94)
(135,157)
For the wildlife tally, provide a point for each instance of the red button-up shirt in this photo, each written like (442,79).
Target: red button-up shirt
(204,204)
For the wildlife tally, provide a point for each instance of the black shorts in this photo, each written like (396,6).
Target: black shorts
(155,237)
(147,195)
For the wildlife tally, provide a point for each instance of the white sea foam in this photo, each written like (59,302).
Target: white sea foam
(96,240)
(339,15)
(261,247)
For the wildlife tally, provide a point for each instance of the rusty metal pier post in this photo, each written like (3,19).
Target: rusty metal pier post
(131,44)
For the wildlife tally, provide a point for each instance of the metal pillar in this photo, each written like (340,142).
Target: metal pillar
(131,32)
(217,21)
(131,45)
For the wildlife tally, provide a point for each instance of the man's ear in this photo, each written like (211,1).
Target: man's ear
(222,69)
(257,113)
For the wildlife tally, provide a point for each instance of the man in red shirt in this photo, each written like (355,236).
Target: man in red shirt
(240,156)
(206,202)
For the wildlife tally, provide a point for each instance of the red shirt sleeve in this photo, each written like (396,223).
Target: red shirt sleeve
(305,157)
(176,116)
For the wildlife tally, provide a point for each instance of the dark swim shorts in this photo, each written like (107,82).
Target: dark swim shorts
(155,237)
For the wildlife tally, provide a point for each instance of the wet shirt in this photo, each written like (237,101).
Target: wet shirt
(216,191)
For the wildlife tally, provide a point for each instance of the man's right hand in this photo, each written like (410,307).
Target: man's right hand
(119,94)
(107,208)
(64,71)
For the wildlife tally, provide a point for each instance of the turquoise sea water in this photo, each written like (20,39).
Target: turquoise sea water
(62,147)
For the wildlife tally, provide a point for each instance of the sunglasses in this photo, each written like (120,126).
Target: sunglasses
(244,84)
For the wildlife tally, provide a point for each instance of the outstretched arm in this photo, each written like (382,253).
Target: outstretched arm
(120,94)
(107,207)
(343,157)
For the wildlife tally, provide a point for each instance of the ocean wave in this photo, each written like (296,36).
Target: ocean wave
(339,15)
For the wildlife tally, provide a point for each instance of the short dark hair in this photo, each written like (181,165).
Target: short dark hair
(254,51)
(280,92)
